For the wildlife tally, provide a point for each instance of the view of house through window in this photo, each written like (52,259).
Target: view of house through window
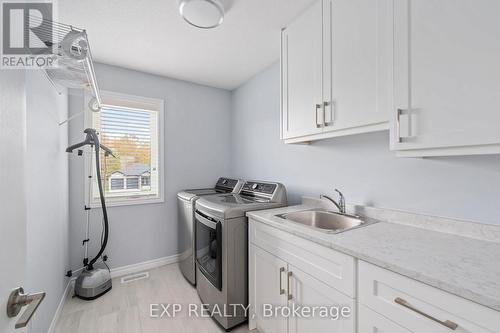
(132,135)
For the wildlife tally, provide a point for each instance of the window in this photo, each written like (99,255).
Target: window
(132,128)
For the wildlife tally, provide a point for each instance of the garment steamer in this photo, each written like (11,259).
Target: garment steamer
(93,282)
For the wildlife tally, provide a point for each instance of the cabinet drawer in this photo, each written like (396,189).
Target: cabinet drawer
(331,267)
(372,322)
(418,307)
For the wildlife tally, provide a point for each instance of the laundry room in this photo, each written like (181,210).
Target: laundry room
(284,166)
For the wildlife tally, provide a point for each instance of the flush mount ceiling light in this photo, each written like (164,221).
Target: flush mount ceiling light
(204,14)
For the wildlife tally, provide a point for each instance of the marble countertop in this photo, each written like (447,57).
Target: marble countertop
(463,266)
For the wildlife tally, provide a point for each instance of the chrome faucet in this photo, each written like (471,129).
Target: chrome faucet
(340,204)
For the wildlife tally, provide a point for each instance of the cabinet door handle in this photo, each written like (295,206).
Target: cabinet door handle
(399,112)
(318,107)
(289,276)
(282,291)
(447,323)
(325,104)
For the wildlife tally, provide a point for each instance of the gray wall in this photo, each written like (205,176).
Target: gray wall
(196,153)
(211,132)
(361,166)
(47,195)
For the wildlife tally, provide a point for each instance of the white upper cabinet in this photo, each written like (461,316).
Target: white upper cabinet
(337,70)
(357,63)
(447,77)
(301,74)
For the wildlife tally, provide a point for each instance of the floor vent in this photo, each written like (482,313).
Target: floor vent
(135,277)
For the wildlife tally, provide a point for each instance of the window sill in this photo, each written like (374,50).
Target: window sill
(127,202)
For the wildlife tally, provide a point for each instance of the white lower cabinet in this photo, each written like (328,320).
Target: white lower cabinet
(419,308)
(276,283)
(288,271)
(266,273)
(307,291)
(372,322)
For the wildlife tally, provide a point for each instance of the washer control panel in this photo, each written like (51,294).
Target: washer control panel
(258,189)
(228,184)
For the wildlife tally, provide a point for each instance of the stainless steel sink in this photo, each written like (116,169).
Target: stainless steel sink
(323,220)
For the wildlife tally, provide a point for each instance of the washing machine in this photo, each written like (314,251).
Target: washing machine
(186,233)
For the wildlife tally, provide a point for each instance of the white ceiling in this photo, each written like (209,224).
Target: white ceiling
(150,36)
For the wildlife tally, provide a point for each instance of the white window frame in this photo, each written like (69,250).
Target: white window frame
(133,102)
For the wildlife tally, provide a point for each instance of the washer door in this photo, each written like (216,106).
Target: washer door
(209,248)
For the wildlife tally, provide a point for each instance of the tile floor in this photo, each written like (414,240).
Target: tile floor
(126,308)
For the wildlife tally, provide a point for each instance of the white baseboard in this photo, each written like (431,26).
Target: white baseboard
(55,319)
(115,272)
(143,266)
